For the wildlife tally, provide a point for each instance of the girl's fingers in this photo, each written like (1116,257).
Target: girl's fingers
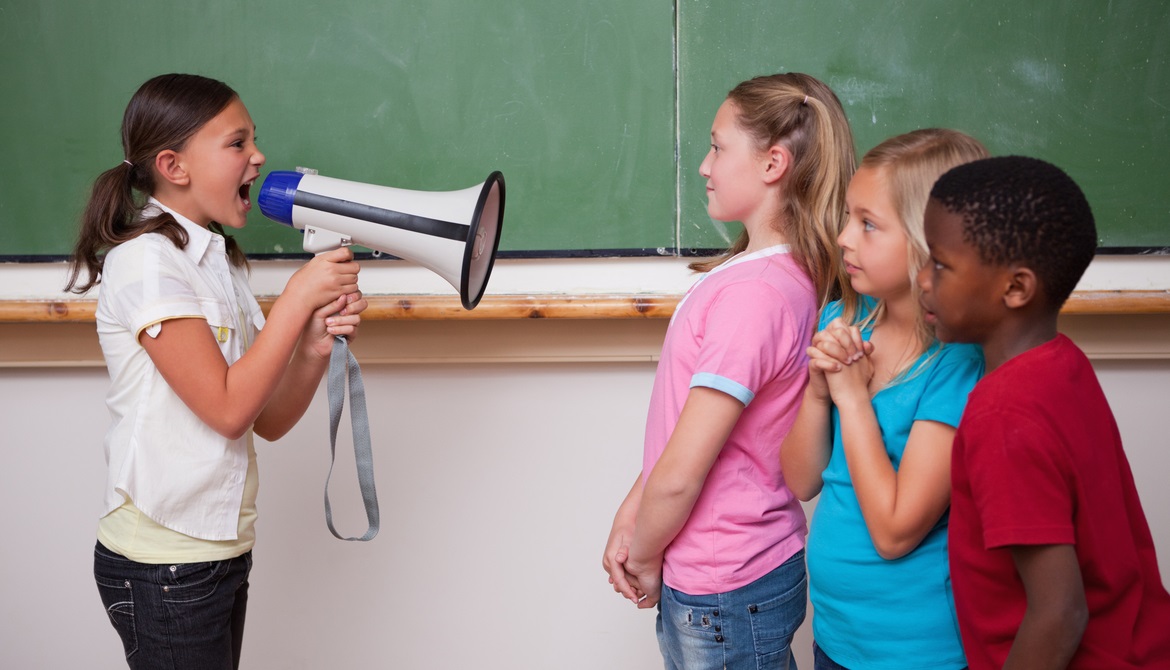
(847,344)
(833,348)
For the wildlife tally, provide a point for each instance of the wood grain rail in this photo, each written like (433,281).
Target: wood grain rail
(539,306)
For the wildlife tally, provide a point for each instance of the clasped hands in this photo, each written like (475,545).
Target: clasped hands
(640,583)
(839,363)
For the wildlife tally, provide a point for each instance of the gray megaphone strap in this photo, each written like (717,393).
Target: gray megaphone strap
(341,362)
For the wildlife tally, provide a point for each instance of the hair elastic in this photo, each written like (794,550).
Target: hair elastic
(127,162)
(805,102)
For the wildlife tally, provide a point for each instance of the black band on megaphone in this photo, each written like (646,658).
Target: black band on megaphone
(386,217)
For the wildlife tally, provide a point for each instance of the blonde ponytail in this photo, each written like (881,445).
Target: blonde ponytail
(803,114)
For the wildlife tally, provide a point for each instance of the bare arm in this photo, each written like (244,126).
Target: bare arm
(1056,615)
(230,398)
(674,484)
(808,445)
(310,360)
(617,547)
(899,506)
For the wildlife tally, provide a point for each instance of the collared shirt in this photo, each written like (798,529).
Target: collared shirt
(160,455)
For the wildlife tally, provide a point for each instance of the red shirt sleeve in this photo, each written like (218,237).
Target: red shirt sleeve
(1021,481)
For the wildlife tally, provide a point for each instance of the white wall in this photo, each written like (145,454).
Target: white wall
(497,484)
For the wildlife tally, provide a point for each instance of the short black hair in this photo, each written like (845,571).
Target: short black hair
(1017,209)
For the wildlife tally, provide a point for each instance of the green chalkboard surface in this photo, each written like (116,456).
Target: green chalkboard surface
(596,112)
(1084,85)
(572,101)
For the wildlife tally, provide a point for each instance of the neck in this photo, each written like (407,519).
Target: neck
(763,229)
(762,239)
(1020,337)
(177,201)
(902,310)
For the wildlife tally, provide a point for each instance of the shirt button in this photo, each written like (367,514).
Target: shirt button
(718,638)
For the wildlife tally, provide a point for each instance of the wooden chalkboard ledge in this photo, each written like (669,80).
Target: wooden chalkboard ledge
(540,306)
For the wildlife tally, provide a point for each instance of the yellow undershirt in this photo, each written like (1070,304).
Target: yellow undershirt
(129,532)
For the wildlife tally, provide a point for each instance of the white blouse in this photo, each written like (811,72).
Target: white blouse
(173,466)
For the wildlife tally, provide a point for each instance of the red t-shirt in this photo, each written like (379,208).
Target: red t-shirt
(1038,460)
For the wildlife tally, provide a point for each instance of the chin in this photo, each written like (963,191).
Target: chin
(951,337)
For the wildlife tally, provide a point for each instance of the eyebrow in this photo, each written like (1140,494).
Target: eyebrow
(859,210)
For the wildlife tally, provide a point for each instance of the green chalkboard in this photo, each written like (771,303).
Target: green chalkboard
(1084,85)
(572,101)
(596,112)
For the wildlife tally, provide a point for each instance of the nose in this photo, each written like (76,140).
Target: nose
(843,238)
(258,158)
(705,166)
(922,278)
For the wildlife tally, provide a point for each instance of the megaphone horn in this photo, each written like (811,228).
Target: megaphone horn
(455,234)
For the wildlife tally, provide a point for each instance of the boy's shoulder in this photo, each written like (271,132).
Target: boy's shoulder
(1042,371)
(1051,388)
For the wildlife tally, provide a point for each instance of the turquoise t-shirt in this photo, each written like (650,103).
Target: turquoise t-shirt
(869,612)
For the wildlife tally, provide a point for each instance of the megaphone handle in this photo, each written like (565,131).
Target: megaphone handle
(342,361)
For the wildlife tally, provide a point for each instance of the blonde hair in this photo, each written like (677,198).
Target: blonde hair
(910,164)
(803,114)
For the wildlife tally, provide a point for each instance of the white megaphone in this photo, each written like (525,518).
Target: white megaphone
(455,234)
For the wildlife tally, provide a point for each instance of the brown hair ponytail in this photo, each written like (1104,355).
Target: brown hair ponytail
(163,114)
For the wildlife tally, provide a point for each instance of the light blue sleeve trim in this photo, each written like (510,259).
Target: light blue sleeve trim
(728,386)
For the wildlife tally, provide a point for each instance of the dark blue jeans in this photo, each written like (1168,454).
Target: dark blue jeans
(187,616)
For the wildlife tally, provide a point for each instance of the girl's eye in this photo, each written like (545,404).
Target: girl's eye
(868,226)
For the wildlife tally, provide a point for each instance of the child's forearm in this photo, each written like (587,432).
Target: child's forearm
(677,479)
(260,373)
(899,506)
(1056,613)
(227,398)
(663,511)
(872,473)
(804,455)
(292,396)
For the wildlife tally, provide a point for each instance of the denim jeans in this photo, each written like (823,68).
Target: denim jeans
(750,627)
(187,616)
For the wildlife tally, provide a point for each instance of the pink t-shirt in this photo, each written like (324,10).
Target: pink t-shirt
(742,329)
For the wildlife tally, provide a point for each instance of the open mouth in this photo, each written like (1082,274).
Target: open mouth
(245,193)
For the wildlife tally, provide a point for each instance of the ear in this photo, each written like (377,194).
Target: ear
(778,161)
(169,165)
(1022,287)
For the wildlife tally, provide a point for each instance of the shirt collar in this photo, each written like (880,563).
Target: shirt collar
(198,237)
(762,253)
